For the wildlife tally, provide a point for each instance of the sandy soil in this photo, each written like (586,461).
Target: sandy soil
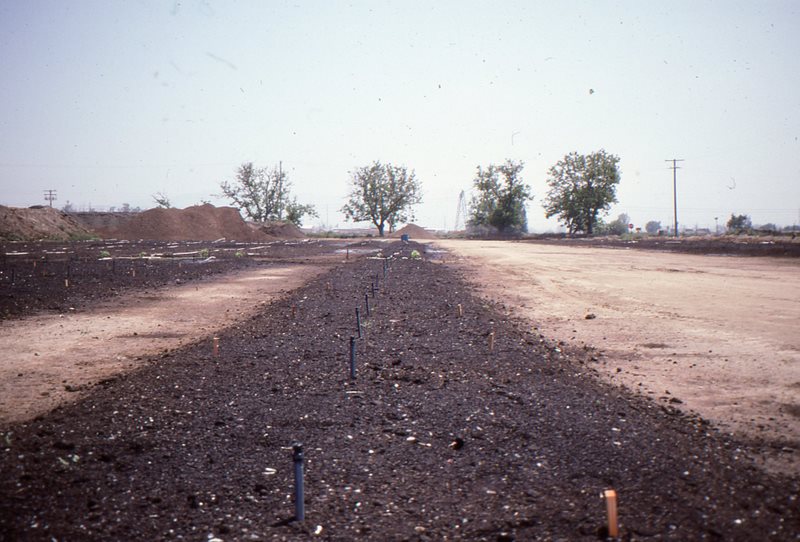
(50,359)
(714,335)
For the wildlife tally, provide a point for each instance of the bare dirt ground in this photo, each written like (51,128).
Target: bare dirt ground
(710,334)
(50,359)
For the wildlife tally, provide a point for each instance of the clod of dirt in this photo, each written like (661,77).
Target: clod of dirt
(196,223)
(38,223)
(590,316)
(414,232)
(282,230)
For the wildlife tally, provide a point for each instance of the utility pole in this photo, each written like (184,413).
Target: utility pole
(50,195)
(675,169)
(280,190)
(461,212)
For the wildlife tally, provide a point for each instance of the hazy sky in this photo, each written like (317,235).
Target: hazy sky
(112,101)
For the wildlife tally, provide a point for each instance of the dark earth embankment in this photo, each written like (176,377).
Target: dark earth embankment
(438,438)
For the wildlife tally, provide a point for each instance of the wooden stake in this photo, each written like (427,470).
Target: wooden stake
(66,283)
(611,508)
(294,311)
(460,310)
(133,272)
(216,347)
(491,341)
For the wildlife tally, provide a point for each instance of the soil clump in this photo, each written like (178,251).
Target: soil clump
(37,223)
(414,232)
(197,223)
(282,230)
(444,433)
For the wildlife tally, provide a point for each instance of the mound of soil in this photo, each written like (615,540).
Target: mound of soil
(282,230)
(440,436)
(414,232)
(197,223)
(38,223)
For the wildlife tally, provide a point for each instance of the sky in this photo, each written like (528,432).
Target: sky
(110,102)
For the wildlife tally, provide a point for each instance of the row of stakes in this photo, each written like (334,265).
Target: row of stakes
(298,456)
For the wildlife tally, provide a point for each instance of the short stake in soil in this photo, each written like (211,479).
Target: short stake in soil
(66,283)
(358,322)
(611,509)
(491,341)
(299,490)
(460,311)
(294,312)
(216,347)
(373,289)
(353,358)
(366,299)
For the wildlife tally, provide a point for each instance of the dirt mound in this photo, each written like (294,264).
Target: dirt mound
(38,223)
(197,223)
(414,232)
(282,230)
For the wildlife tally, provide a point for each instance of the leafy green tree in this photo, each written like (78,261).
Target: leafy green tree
(383,194)
(616,227)
(500,197)
(653,227)
(580,188)
(739,223)
(263,194)
(296,211)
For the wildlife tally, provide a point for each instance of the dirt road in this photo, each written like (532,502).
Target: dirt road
(50,359)
(716,335)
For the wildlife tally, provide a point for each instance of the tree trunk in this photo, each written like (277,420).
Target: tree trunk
(380,229)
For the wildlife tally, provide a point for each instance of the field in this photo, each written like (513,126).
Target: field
(472,416)
(716,335)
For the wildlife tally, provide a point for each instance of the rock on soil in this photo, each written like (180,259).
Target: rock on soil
(37,223)
(439,436)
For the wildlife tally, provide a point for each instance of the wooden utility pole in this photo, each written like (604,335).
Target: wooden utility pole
(50,195)
(280,190)
(675,169)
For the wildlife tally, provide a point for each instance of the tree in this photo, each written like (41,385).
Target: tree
(161,200)
(580,188)
(500,203)
(653,227)
(263,194)
(739,223)
(296,211)
(616,227)
(383,194)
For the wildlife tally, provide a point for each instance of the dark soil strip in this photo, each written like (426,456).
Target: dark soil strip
(437,438)
(60,277)
(722,246)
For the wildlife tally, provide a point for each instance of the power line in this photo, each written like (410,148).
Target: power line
(50,195)
(675,169)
